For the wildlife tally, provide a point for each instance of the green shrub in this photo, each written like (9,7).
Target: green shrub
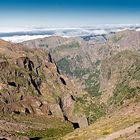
(123,92)
(69,46)
(64,65)
(92,83)
(50,133)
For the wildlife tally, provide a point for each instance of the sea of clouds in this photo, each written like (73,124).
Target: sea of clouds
(23,34)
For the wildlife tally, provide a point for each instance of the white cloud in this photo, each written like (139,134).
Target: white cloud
(65,32)
(18,39)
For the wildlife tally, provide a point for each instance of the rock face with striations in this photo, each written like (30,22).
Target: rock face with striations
(30,83)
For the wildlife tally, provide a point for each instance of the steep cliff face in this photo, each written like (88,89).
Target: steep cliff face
(30,84)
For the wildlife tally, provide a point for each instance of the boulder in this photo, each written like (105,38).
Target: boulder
(56,110)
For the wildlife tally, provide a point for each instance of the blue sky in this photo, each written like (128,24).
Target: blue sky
(61,13)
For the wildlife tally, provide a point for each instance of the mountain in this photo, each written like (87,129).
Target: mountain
(81,59)
(109,72)
(35,99)
(53,86)
(120,85)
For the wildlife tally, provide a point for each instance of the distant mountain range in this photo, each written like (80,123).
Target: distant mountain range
(24,34)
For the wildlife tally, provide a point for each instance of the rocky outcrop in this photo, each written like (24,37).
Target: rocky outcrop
(31,85)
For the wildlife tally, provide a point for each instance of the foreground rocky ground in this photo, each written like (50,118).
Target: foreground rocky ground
(35,99)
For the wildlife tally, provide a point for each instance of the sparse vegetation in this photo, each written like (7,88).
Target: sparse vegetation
(64,65)
(123,92)
(134,71)
(43,45)
(109,74)
(92,108)
(73,45)
(50,133)
(117,38)
(92,83)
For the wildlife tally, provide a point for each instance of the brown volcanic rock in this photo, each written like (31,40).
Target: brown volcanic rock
(31,85)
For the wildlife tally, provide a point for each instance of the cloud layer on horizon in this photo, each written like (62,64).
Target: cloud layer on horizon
(18,35)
